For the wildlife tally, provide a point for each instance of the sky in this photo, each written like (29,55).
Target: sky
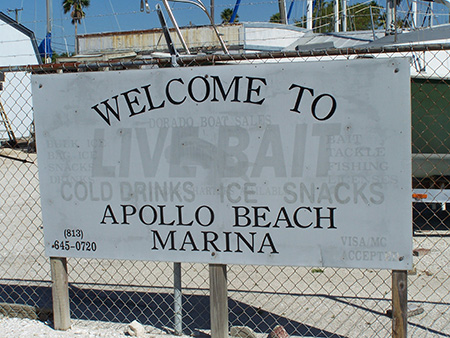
(119,15)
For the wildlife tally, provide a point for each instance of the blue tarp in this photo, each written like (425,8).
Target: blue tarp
(45,47)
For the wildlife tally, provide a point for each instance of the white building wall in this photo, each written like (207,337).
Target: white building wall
(18,104)
(16,49)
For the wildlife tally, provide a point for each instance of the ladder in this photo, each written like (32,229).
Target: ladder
(5,121)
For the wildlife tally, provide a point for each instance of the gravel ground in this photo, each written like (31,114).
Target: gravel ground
(18,328)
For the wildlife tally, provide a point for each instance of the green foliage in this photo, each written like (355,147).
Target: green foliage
(226,15)
(317,270)
(276,18)
(75,7)
(359,17)
(55,56)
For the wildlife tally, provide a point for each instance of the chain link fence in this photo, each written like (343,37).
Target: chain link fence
(307,301)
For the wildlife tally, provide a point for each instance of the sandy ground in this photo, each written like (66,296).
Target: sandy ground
(18,328)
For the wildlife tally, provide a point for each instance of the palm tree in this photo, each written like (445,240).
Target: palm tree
(226,15)
(75,7)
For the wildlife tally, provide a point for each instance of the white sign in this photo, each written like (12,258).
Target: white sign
(278,164)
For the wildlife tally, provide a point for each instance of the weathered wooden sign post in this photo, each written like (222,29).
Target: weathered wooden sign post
(399,303)
(60,293)
(302,164)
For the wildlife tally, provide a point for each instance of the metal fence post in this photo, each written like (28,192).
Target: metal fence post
(177,300)
(177,295)
(399,303)
(218,300)
(60,293)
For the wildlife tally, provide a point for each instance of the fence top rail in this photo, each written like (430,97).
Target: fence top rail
(211,59)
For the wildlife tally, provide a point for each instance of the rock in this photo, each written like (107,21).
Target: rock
(242,332)
(135,329)
(412,272)
(413,310)
(279,332)
(420,252)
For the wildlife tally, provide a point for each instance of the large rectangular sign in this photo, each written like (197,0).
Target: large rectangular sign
(278,164)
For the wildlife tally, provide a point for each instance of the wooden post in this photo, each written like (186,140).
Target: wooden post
(218,300)
(60,293)
(399,303)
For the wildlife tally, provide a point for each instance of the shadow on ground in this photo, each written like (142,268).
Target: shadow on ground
(155,309)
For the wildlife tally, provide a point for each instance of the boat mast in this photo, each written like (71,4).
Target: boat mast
(282,6)
(309,15)
(336,16)
(344,15)
(390,17)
